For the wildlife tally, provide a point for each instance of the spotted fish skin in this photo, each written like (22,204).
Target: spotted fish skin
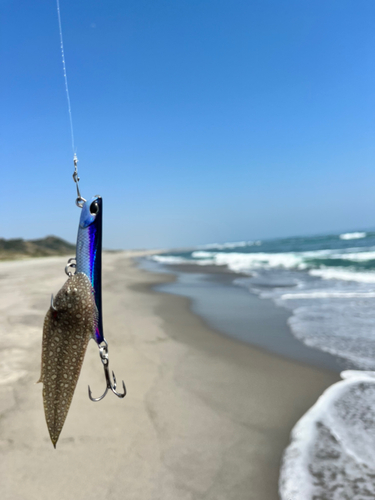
(66,333)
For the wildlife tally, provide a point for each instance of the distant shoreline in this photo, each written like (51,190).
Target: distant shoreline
(53,246)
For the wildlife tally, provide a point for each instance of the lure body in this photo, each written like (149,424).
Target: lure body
(68,326)
(89,253)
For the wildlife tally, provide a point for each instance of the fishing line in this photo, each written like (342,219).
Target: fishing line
(79,200)
(65,78)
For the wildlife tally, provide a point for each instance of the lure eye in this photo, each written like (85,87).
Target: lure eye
(94,208)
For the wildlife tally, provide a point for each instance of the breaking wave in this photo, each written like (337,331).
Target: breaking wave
(327,284)
(331,454)
(352,236)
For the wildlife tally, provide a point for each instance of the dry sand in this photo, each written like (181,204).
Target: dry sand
(205,417)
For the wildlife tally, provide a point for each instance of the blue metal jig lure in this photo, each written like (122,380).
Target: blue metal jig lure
(89,262)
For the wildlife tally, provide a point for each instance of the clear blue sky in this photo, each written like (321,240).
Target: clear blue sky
(196,120)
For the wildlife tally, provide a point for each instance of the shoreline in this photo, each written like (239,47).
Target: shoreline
(206,417)
(236,312)
(284,389)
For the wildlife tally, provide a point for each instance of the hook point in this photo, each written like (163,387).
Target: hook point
(52,305)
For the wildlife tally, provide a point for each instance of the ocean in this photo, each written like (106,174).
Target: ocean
(327,284)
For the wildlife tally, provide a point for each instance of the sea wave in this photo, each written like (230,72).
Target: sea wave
(334,316)
(230,245)
(246,262)
(346,264)
(344,274)
(352,236)
(330,291)
(331,454)
(342,326)
(327,295)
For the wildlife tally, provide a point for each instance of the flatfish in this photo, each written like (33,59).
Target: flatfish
(68,326)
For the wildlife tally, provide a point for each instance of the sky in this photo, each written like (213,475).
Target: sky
(197,121)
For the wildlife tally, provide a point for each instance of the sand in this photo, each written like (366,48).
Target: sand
(205,417)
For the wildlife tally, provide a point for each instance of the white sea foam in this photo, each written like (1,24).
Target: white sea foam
(229,245)
(357,256)
(169,259)
(335,316)
(242,262)
(174,260)
(339,273)
(332,450)
(222,246)
(342,326)
(352,236)
(237,262)
(327,295)
(309,260)
(355,373)
(287,260)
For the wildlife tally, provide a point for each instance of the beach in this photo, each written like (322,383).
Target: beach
(206,416)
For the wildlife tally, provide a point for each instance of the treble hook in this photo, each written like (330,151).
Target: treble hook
(103,353)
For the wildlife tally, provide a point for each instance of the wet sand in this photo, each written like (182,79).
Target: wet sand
(235,311)
(206,417)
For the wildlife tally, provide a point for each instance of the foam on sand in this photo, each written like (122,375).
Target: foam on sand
(332,450)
